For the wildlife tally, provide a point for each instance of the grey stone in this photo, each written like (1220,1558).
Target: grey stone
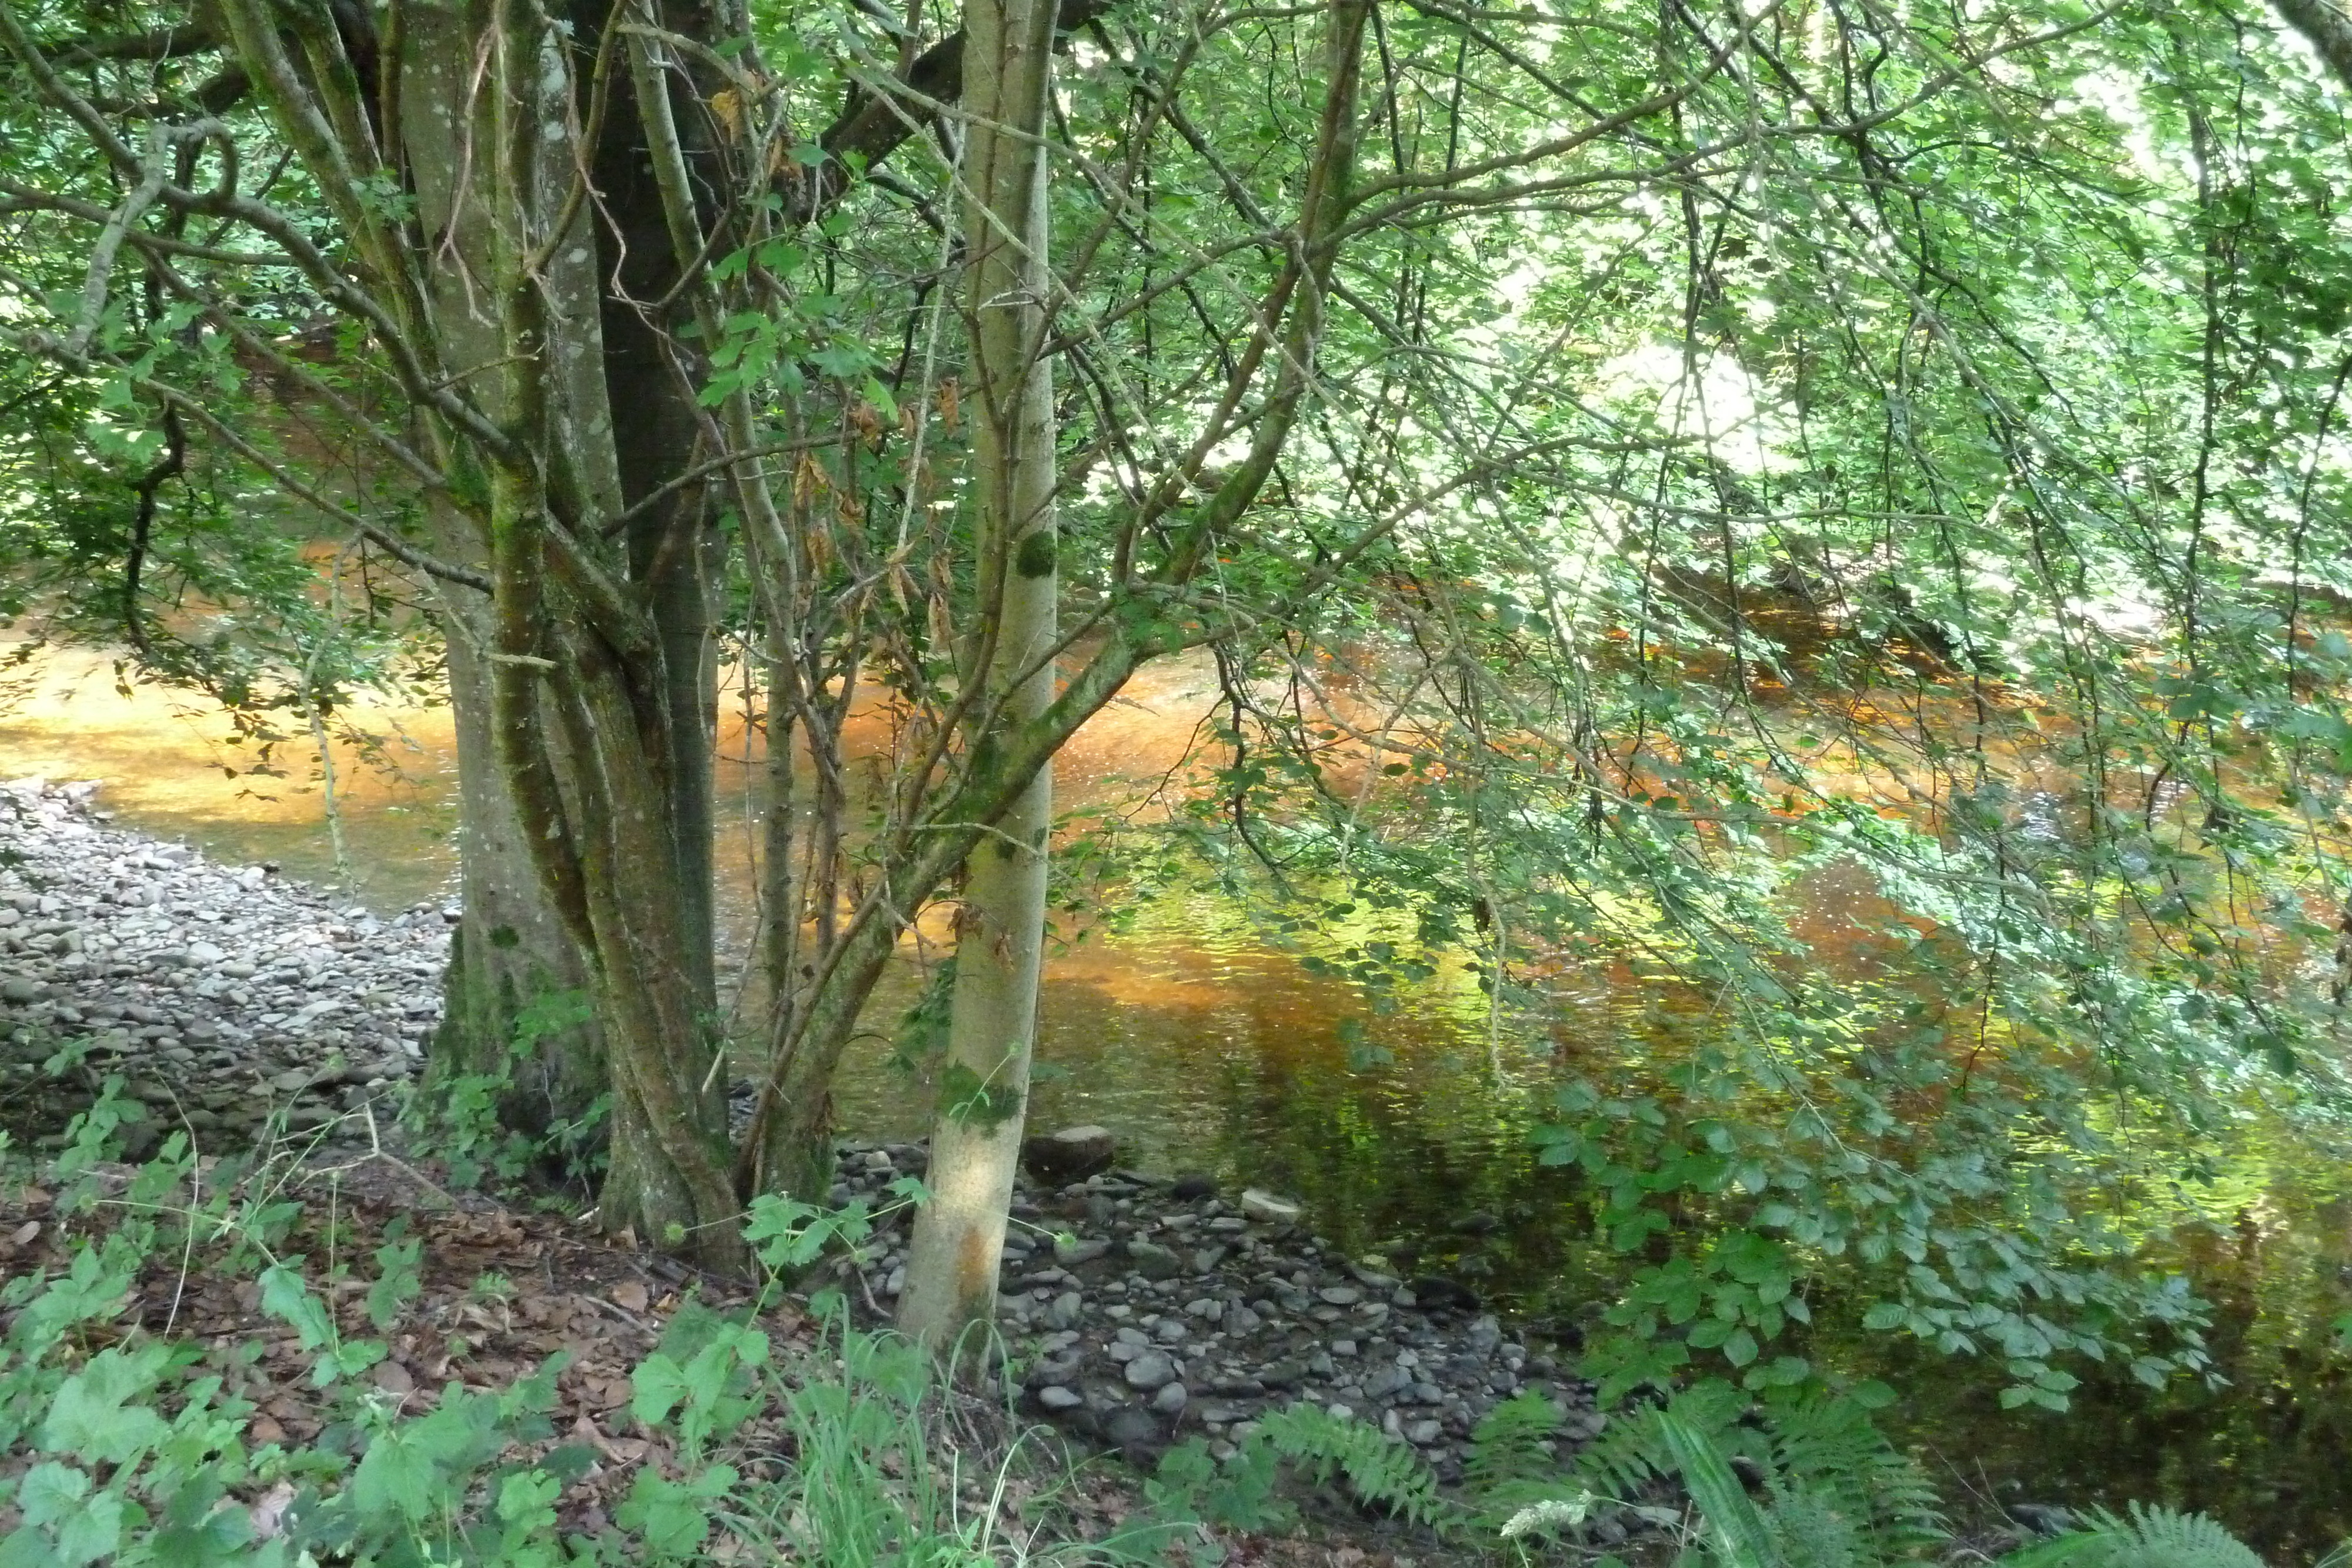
(1150,1370)
(1130,1425)
(1153,1261)
(1066,1309)
(1070,1252)
(20,990)
(1265,1207)
(1172,1399)
(1287,1373)
(1054,1397)
(1069,1155)
(1341,1295)
(1423,1432)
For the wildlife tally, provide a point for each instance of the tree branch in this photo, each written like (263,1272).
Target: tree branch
(2325,28)
(177,41)
(872,128)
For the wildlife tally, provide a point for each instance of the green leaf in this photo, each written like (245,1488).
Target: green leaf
(1886,1315)
(92,1530)
(50,1491)
(672,1516)
(660,1388)
(396,1477)
(286,1296)
(89,1418)
(1742,1537)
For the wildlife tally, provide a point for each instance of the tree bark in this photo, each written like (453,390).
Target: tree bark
(983,1086)
(2326,28)
(509,950)
(510,955)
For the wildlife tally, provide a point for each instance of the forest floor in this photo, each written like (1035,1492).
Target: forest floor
(497,1292)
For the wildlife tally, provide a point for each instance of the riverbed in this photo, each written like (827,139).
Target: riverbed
(1208,1043)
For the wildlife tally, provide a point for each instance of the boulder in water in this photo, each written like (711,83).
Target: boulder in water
(1073,1154)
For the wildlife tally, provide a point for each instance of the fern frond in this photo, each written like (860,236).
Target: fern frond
(2145,1537)
(1507,1447)
(1813,1533)
(1830,1447)
(1379,1469)
(1632,1451)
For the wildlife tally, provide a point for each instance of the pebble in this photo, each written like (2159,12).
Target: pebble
(1140,1354)
(1262,1206)
(1153,1260)
(1150,1370)
(121,948)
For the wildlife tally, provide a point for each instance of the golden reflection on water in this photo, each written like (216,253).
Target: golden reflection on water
(171,766)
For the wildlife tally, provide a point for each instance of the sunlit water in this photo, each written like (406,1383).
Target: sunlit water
(1207,1046)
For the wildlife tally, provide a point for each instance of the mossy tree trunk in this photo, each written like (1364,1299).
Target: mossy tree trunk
(983,1085)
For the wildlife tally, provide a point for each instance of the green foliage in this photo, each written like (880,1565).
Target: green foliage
(461,1116)
(1835,1490)
(2143,1536)
(1315,1446)
(1512,1450)
(139,1456)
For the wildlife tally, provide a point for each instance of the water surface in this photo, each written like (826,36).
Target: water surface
(1204,1041)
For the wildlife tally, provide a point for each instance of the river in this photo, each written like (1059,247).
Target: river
(1207,1045)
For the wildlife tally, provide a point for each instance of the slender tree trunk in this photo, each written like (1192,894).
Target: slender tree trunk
(984,1089)
(651,372)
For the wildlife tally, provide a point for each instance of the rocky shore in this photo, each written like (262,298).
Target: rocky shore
(232,1000)
(1167,1308)
(227,998)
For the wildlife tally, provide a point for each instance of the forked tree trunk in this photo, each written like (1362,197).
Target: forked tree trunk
(983,1085)
(514,970)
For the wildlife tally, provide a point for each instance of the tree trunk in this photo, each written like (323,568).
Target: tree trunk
(513,970)
(650,372)
(951,1272)
(513,967)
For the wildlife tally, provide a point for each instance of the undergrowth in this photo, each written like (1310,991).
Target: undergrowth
(120,1445)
